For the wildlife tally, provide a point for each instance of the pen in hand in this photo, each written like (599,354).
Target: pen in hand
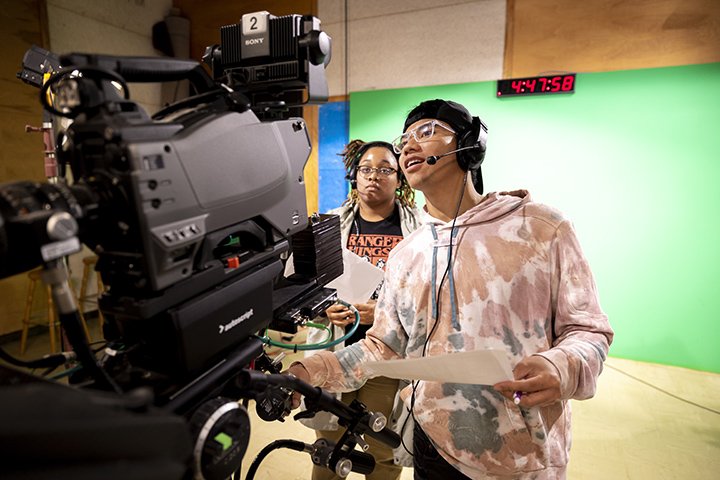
(516,397)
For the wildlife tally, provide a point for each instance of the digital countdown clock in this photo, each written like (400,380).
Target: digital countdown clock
(512,87)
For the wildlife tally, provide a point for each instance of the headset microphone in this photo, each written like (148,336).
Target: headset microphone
(432,159)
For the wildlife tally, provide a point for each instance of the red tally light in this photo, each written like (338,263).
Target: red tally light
(232,262)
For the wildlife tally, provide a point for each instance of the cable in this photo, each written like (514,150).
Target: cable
(447,267)
(663,391)
(48,361)
(66,373)
(291,444)
(295,346)
(414,383)
(316,346)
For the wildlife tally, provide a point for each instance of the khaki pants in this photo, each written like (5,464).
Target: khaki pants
(378,395)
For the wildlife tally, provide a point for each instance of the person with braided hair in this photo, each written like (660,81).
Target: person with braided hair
(377,214)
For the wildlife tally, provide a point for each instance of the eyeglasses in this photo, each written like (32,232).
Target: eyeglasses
(383,171)
(421,133)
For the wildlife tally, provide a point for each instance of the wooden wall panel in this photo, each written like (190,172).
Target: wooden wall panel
(311,116)
(605,35)
(21,155)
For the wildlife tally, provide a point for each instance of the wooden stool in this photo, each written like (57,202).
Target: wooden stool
(89,263)
(52,322)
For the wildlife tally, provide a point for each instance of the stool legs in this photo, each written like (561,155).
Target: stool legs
(54,327)
(100,289)
(83,289)
(89,263)
(51,319)
(26,317)
(82,316)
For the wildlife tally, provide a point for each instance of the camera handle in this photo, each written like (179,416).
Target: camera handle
(340,458)
(355,415)
(55,276)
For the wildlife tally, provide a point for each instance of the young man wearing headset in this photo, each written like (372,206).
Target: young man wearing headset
(487,271)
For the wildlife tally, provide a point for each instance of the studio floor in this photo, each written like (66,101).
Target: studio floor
(646,422)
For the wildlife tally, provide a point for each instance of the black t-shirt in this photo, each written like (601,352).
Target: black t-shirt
(373,242)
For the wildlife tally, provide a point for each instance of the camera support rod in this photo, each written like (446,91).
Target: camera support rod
(317,399)
(56,277)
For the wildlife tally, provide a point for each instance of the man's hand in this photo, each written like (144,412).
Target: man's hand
(366,311)
(340,315)
(536,380)
(300,373)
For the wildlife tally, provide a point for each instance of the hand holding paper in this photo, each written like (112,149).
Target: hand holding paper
(481,367)
(357,283)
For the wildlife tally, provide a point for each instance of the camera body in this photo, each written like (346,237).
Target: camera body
(191,211)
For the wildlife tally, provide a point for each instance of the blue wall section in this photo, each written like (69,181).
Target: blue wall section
(332,138)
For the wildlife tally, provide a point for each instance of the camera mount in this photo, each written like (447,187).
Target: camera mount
(192,212)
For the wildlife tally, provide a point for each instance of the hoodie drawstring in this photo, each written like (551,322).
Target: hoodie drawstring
(435,293)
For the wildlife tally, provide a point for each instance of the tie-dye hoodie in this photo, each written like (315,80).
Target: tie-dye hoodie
(519,282)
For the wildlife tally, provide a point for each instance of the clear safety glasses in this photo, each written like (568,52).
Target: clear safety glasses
(421,133)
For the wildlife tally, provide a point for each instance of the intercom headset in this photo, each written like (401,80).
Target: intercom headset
(351,175)
(471,134)
(471,147)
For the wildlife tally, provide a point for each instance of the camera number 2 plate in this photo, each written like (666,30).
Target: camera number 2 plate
(255,23)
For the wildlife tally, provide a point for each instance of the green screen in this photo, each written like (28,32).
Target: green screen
(632,158)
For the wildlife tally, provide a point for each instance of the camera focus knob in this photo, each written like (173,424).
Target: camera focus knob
(221,432)
(61,226)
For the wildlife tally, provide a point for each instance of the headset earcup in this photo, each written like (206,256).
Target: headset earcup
(465,157)
(352,177)
(481,139)
(471,159)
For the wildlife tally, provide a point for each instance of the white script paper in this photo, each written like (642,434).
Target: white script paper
(359,280)
(481,367)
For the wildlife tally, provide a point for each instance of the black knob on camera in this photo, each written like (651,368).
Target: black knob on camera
(274,403)
(318,45)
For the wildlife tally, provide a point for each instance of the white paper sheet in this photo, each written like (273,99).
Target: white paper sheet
(480,367)
(358,281)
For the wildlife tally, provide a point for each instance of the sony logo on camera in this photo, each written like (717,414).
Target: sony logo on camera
(254,33)
(237,321)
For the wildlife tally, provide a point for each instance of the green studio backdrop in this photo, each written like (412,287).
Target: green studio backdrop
(632,159)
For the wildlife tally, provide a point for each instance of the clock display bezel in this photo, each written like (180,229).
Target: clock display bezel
(538,85)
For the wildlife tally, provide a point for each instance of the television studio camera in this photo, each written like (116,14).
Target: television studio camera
(192,213)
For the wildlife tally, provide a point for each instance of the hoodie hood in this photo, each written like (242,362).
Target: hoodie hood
(495,205)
